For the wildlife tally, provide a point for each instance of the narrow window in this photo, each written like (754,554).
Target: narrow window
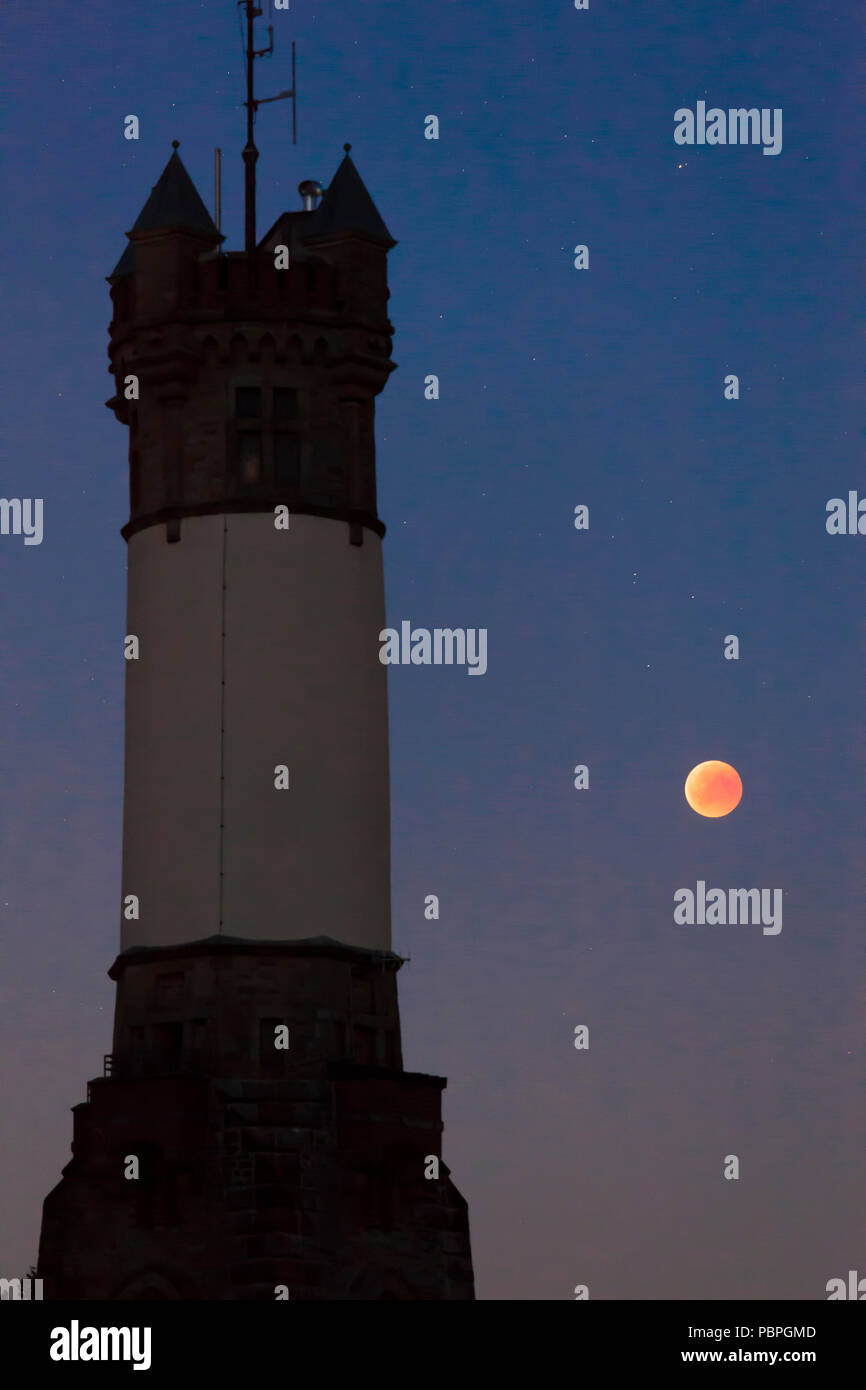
(286,464)
(249,459)
(248,402)
(285,403)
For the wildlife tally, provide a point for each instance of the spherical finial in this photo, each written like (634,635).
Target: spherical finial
(347,148)
(175,144)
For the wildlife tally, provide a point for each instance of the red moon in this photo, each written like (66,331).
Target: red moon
(713,789)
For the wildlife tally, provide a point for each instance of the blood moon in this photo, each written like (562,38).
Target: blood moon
(713,789)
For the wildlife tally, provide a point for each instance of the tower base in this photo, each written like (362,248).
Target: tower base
(262,1172)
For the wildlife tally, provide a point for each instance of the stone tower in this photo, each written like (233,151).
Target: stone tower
(256,1071)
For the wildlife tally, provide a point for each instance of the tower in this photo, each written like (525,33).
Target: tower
(256,1070)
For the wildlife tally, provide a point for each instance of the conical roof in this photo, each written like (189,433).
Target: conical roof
(174,202)
(347,206)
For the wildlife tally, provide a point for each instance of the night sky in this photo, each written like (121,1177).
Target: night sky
(605,647)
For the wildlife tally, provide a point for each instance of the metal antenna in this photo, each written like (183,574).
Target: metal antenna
(252,104)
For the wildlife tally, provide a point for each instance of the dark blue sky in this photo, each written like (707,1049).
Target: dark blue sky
(605,647)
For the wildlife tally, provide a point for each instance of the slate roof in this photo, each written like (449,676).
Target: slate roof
(347,206)
(174,202)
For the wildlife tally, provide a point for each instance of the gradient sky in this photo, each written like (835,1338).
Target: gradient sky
(605,647)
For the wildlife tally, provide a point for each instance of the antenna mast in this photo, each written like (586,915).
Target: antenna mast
(251,154)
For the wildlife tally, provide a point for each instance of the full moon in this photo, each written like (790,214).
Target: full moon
(713,789)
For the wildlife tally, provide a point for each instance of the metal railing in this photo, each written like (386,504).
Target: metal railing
(130,1065)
